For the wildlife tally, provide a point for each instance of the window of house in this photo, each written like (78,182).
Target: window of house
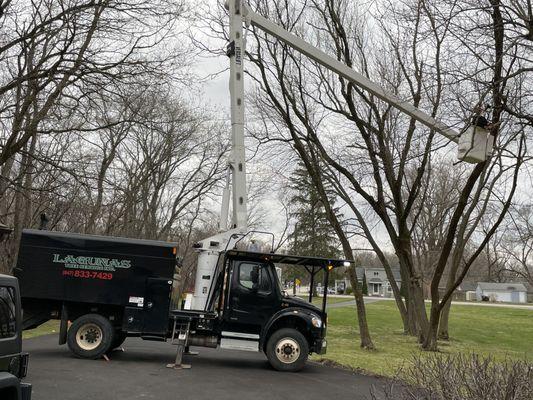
(376,273)
(246,270)
(389,288)
(8,319)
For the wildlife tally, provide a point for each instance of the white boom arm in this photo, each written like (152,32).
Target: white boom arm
(236,177)
(237,160)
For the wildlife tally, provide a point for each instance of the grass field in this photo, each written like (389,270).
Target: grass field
(499,332)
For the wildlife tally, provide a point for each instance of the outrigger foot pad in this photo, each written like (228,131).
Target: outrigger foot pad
(180,366)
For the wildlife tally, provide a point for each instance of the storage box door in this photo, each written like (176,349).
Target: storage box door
(156,305)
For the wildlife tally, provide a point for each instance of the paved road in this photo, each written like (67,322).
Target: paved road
(140,373)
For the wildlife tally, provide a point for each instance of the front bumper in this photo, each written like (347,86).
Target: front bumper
(320,346)
(319,343)
(25,391)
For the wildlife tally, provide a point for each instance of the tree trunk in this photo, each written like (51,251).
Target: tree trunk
(419,309)
(417,320)
(364,332)
(445,314)
(406,312)
(5,173)
(443,333)
(430,340)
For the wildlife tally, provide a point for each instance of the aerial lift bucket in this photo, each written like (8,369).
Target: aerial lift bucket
(475,145)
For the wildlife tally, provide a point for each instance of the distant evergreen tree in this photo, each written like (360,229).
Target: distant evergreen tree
(313,235)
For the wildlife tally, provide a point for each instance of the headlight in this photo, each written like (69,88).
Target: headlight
(317,322)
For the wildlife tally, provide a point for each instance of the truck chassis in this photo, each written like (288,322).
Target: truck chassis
(246,308)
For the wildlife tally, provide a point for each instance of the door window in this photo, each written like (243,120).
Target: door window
(8,319)
(262,284)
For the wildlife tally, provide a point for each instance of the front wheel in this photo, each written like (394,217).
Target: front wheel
(287,350)
(90,336)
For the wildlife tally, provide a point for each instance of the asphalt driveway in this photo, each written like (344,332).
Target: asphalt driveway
(140,373)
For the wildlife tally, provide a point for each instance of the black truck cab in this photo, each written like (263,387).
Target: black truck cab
(13,362)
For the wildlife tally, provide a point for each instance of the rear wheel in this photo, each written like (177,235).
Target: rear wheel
(90,336)
(287,350)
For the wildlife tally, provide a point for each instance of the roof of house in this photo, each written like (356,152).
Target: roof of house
(514,287)
(468,286)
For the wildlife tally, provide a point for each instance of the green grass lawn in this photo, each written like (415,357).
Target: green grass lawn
(46,328)
(499,332)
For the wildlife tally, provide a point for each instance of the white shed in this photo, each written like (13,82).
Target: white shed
(504,292)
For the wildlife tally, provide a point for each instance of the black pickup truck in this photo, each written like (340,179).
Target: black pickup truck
(105,289)
(13,362)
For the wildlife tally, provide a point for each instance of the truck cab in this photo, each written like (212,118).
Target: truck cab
(13,362)
(247,309)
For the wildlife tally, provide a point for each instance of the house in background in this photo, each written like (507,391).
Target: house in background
(504,292)
(377,282)
(466,291)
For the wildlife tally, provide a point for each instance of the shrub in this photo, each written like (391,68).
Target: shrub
(461,377)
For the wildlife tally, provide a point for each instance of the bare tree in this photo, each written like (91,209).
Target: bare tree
(68,70)
(517,246)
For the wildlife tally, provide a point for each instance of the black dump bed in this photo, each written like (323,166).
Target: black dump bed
(90,269)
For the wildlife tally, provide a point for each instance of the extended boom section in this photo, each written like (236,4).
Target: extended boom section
(346,72)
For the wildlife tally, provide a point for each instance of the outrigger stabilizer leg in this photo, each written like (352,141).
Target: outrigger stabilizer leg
(181,329)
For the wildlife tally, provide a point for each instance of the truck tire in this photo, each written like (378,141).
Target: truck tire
(118,339)
(90,336)
(287,350)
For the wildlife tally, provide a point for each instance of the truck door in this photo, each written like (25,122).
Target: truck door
(156,305)
(252,297)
